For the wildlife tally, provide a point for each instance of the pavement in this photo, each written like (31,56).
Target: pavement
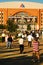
(13,56)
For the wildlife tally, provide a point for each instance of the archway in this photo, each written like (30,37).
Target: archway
(23,19)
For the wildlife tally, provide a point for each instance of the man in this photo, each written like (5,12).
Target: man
(10,40)
(29,39)
(21,44)
(37,35)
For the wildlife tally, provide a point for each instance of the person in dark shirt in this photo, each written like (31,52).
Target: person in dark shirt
(10,41)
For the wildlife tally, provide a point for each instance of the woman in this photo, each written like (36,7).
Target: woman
(35,45)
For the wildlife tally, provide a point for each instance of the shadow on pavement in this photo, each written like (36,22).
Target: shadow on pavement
(21,60)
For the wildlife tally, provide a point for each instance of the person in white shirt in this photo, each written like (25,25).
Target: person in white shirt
(20,34)
(23,36)
(42,34)
(37,36)
(3,37)
(21,45)
(6,40)
(29,39)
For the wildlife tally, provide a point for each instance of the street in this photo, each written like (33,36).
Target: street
(13,56)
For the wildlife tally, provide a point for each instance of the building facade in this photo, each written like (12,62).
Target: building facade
(23,13)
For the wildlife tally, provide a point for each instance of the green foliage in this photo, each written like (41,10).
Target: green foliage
(11,26)
(28,27)
(2,26)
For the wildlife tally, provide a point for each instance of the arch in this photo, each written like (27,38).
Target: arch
(20,12)
(22,18)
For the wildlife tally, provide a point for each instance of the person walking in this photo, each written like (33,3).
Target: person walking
(3,37)
(35,45)
(6,40)
(29,37)
(9,41)
(37,35)
(21,44)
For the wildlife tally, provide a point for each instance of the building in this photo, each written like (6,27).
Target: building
(22,13)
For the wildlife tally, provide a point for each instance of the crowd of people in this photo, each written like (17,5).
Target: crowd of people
(32,38)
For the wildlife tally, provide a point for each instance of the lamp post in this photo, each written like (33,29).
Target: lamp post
(33,22)
(22,21)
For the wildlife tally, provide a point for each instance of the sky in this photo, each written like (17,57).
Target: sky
(39,1)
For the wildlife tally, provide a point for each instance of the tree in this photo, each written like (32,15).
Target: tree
(2,26)
(28,27)
(11,26)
